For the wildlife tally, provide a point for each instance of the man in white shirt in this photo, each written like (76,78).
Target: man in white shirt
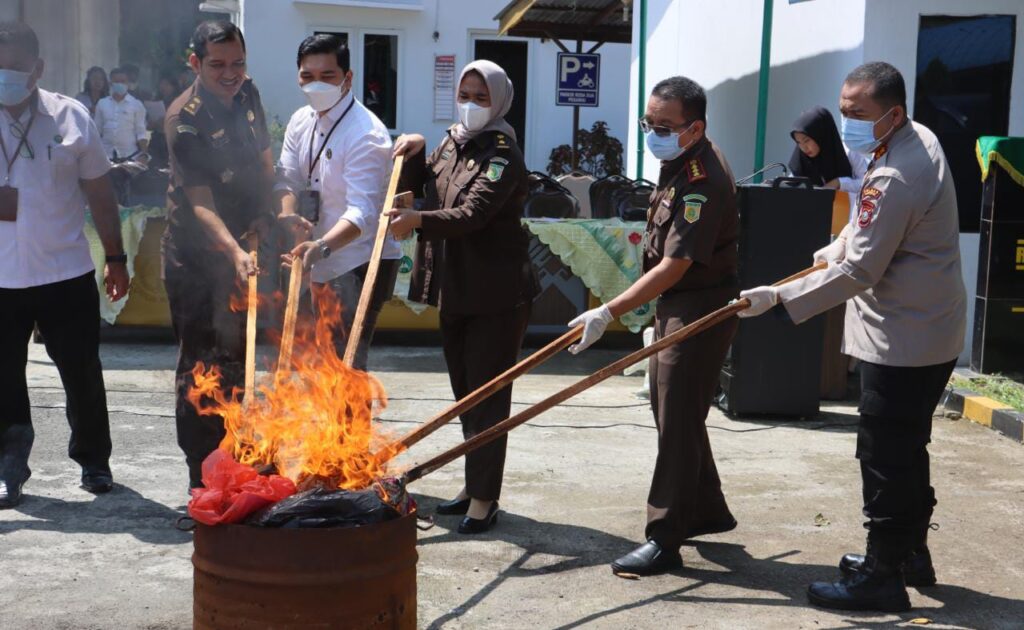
(121,119)
(52,165)
(332,179)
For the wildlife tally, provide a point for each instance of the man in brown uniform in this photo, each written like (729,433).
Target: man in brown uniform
(220,189)
(690,266)
(899,267)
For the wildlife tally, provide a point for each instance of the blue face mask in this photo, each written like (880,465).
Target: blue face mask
(859,135)
(665,148)
(118,89)
(14,87)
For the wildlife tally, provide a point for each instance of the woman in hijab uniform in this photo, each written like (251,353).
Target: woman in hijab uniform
(472,262)
(821,156)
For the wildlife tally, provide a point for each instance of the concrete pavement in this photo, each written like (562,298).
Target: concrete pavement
(576,482)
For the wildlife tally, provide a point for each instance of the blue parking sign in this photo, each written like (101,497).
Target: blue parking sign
(578,79)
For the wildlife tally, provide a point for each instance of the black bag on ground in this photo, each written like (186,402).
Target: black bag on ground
(548,198)
(631,202)
(321,507)
(601,193)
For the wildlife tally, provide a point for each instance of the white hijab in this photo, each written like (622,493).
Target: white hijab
(500,88)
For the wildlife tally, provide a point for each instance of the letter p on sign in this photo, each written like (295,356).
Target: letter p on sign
(570,65)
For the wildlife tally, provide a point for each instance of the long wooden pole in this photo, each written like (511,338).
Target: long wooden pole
(250,326)
(483,392)
(604,373)
(371,273)
(291,310)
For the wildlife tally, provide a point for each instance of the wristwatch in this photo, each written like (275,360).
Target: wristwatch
(325,249)
(118,258)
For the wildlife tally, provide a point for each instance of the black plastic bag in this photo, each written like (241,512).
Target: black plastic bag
(321,507)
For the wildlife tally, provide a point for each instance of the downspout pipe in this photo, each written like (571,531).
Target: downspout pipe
(762,87)
(641,92)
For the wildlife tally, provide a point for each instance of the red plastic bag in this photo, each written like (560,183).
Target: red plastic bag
(234,491)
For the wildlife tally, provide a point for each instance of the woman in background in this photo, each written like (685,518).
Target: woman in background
(821,156)
(95,87)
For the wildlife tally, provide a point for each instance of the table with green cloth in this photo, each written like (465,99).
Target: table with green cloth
(605,254)
(1007,152)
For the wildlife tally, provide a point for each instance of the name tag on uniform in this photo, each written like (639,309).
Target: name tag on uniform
(666,201)
(8,203)
(218,138)
(309,205)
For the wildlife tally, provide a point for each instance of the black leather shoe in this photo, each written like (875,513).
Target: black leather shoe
(648,559)
(873,588)
(917,570)
(10,494)
(97,481)
(455,506)
(480,525)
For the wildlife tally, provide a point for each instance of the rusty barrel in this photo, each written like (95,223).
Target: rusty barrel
(356,577)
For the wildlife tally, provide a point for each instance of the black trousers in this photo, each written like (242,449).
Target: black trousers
(477,348)
(206,330)
(348,287)
(686,493)
(68,316)
(896,408)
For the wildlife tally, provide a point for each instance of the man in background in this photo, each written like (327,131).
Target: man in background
(121,119)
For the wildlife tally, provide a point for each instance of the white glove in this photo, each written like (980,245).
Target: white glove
(762,299)
(833,253)
(594,321)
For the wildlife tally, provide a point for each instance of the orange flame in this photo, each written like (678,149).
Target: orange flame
(315,422)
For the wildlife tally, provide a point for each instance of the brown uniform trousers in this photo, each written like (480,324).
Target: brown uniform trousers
(473,262)
(693,216)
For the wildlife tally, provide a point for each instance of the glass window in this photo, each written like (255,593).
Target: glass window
(964,66)
(380,77)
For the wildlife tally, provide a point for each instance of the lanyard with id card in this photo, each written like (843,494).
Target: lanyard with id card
(309,199)
(9,194)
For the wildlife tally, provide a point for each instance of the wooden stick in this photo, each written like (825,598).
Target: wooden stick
(604,373)
(483,392)
(371,273)
(250,326)
(291,310)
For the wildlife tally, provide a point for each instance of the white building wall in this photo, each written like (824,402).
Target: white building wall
(274,28)
(718,44)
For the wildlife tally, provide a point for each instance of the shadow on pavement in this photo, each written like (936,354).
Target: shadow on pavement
(121,511)
(777,582)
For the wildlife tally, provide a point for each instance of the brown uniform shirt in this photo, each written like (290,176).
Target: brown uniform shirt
(472,257)
(693,215)
(214,146)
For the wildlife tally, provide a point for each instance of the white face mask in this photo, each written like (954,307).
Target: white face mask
(322,96)
(473,117)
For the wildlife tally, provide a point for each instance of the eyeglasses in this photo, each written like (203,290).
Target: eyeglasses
(660,130)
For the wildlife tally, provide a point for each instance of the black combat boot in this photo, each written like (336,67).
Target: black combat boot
(917,569)
(878,585)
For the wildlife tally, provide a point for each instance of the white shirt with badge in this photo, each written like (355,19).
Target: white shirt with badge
(46,242)
(351,176)
(122,124)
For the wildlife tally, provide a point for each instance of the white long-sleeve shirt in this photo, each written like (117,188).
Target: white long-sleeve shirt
(351,177)
(122,124)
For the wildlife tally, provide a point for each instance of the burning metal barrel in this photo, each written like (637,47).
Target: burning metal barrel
(351,577)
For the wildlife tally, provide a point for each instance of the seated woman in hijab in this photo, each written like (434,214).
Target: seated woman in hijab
(472,261)
(821,156)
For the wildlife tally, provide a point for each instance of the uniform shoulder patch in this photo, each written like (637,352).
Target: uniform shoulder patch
(495,169)
(188,129)
(193,105)
(692,205)
(695,171)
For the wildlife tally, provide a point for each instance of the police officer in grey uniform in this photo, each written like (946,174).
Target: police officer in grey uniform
(898,264)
